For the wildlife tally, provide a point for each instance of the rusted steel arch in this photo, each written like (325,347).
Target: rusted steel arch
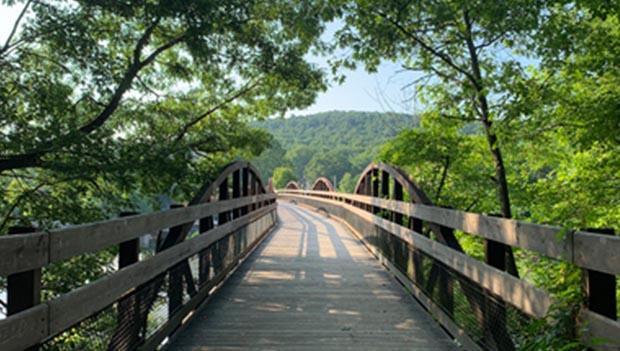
(323,184)
(246,181)
(382,172)
(208,190)
(206,193)
(414,191)
(292,185)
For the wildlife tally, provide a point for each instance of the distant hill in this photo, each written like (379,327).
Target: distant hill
(329,143)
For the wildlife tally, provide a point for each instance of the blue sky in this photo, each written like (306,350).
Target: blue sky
(381,91)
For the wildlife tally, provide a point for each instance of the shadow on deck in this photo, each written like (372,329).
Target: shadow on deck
(311,284)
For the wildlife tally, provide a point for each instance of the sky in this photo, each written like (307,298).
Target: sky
(382,91)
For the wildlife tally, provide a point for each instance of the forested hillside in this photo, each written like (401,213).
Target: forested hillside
(336,144)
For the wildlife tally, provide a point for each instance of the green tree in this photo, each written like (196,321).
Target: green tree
(103,99)
(328,163)
(298,156)
(107,106)
(281,176)
(347,183)
(446,162)
(270,159)
(454,44)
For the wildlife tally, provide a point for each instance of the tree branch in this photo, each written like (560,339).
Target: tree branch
(443,57)
(7,44)
(33,159)
(205,114)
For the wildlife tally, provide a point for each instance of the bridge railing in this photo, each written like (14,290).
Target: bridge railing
(151,294)
(490,297)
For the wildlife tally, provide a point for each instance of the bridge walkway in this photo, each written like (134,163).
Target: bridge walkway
(311,285)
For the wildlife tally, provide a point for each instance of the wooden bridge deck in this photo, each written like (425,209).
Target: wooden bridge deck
(311,285)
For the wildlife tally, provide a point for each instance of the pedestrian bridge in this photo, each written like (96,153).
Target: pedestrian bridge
(241,267)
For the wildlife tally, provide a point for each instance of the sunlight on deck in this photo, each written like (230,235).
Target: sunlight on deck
(312,284)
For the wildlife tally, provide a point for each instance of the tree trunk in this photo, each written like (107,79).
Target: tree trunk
(503,195)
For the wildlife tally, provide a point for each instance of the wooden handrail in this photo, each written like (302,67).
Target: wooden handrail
(519,293)
(36,250)
(591,251)
(57,315)
(555,242)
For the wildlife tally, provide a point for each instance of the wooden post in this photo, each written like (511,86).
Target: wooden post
(385,190)
(24,288)
(175,275)
(375,189)
(398,196)
(245,184)
(236,191)
(494,317)
(220,248)
(600,288)
(128,251)
(204,261)
(368,189)
(253,190)
(127,334)
(417,273)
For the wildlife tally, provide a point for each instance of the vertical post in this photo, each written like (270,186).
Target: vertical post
(220,248)
(385,188)
(127,334)
(253,190)
(128,251)
(600,287)
(375,188)
(417,272)
(223,217)
(175,276)
(494,317)
(368,191)
(204,262)
(236,188)
(24,288)
(245,183)
(398,196)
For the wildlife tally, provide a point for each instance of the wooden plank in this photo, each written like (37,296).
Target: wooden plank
(79,304)
(23,252)
(77,240)
(39,249)
(597,252)
(522,295)
(24,329)
(599,332)
(296,293)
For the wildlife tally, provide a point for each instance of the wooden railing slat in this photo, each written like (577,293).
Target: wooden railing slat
(79,304)
(599,332)
(39,249)
(21,330)
(23,252)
